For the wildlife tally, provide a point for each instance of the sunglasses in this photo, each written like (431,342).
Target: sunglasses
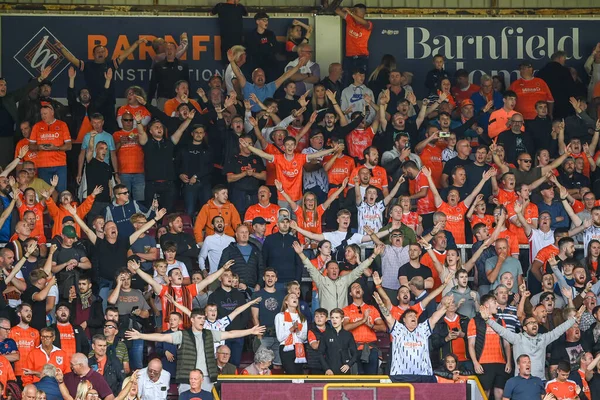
(127,119)
(526,160)
(127,192)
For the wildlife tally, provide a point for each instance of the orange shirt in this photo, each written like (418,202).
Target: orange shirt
(379,177)
(340,170)
(458,345)
(513,240)
(461,95)
(38,210)
(362,334)
(428,262)
(498,121)
(101,365)
(586,163)
(425,205)
(193,291)
(289,173)
(528,93)
(86,126)
(171,105)
(431,157)
(492,351)
(57,134)
(269,213)
(358,140)
(127,108)
(67,339)
(398,312)
(27,340)
(579,207)
(455,220)
(300,144)
(29,156)
(586,387)
(37,358)
(487,219)
(357,37)
(308,221)
(410,219)
(545,253)
(562,390)
(506,197)
(530,214)
(6,372)
(129,152)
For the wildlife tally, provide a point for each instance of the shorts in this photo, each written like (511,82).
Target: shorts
(493,376)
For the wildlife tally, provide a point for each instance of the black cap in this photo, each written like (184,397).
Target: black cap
(68,218)
(45,82)
(261,15)
(63,304)
(316,132)
(546,186)
(260,220)
(526,64)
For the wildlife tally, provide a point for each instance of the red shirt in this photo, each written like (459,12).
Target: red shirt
(358,140)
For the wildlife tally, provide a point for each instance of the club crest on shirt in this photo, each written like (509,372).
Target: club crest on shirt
(59,360)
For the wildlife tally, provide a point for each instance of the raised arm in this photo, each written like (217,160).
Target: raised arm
(440,312)
(176,137)
(256,330)
(290,72)
(503,167)
(421,145)
(142,135)
(435,293)
(323,153)
(244,307)
(358,199)
(134,266)
(13,164)
(68,55)
(394,190)
(135,235)
(486,176)
(385,311)
(130,50)
(292,203)
(151,337)
(178,306)
(89,233)
(473,205)
(314,236)
(436,195)
(204,283)
(335,194)
(258,152)
(468,266)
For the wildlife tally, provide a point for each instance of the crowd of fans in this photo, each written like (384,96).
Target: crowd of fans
(286,221)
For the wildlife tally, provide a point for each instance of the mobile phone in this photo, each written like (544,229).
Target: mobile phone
(444,134)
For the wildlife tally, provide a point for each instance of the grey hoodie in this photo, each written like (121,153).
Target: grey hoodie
(533,346)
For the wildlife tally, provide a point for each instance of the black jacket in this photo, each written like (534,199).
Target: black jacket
(279,254)
(226,303)
(81,341)
(438,339)
(9,102)
(96,322)
(250,272)
(562,86)
(196,159)
(164,76)
(540,129)
(113,374)
(187,251)
(79,111)
(509,140)
(337,349)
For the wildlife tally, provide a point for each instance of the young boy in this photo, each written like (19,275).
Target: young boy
(170,251)
(370,211)
(290,101)
(410,218)
(294,287)
(315,333)
(337,347)
(436,74)
(160,276)
(507,195)
(28,202)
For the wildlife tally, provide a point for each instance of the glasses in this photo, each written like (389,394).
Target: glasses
(127,119)
(1,327)
(517,122)
(110,326)
(48,337)
(526,160)
(396,236)
(93,395)
(127,192)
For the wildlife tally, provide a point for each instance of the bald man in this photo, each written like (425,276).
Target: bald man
(80,371)
(153,381)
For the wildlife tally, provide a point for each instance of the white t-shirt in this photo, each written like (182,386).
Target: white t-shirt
(371,216)
(410,350)
(593,232)
(537,241)
(336,238)
(181,266)
(218,325)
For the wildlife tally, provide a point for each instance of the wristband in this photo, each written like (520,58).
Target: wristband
(377,286)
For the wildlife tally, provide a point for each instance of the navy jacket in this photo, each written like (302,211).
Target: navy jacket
(279,254)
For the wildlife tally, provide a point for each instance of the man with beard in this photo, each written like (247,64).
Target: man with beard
(392,160)
(264,313)
(378,178)
(187,251)
(70,338)
(335,125)
(213,247)
(263,209)
(86,307)
(26,337)
(570,349)
(524,386)
(159,152)
(69,262)
(572,180)
(279,254)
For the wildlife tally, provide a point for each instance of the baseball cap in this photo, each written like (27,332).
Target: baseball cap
(546,186)
(63,304)
(261,15)
(260,220)
(69,232)
(283,217)
(68,218)
(466,102)
(45,82)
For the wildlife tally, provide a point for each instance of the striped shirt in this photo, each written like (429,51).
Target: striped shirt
(391,261)
(371,216)
(318,178)
(410,350)
(509,316)
(591,233)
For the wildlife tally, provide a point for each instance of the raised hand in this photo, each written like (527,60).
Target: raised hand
(518,207)
(160,213)
(376,278)
(253,121)
(108,75)
(297,247)
(345,182)
(243,143)
(567,292)
(313,117)
(426,171)
(379,249)
(368,229)
(230,56)
(71,209)
(278,185)
(257,300)
(133,265)
(132,335)
(140,100)
(46,72)
(72,72)
(488,106)
(485,314)
(330,95)
(97,190)
(258,330)
(228,264)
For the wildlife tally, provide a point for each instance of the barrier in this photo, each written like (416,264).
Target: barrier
(327,387)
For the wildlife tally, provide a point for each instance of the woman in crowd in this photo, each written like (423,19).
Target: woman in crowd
(291,328)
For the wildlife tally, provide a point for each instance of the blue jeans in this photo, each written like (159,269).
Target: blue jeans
(372,366)
(104,287)
(135,184)
(236,346)
(314,304)
(195,196)
(136,354)
(47,173)
(242,200)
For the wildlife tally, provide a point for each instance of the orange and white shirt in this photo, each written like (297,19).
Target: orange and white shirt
(129,152)
(341,169)
(269,213)
(425,205)
(37,358)
(562,390)
(57,134)
(26,340)
(6,372)
(67,338)
(289,173)
(529,92)
(362,334)
(38,210)
(358,140)
(506,197)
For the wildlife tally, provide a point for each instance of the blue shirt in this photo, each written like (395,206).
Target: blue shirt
(519,388)
(555,209)
(8,346)
(203,395)
(101,137)
(245,250)
(5,231)
(262,93)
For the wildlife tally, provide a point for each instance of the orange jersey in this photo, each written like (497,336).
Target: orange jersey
(358,140)
(357,37)
(492,351)
(458,345)
(38,210)
(270,167)
(410,219)
(431,156)
(27,340)
(289,173)
(134,110)
(300,144)
(309,222)
(37,358)
(398,312)
(29,156)
(562,390)
(193,291)
(528,93)
(378,179)
(506,197)
(498,120)
(425,205)
(428,262)
(578,206)
(530,214)
(57,134)
(362,334)
(269,213)
(85,128)
(513,240)
(171,105)
(546,253)
(67,338)
(6,372)
(487,220)
(129,152)
(340,170)
(455,220)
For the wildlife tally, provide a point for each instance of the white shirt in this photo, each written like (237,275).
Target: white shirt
(318,178)
(218,325)
(537,241)
(593,232)
(336,238)
(149,390)
(212,248)
(181,266)
(229,76)
(410,350)
(371,216)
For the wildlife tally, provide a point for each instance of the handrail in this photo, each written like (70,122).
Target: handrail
(410,387)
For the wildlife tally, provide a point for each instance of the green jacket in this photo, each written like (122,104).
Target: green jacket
(409,235)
